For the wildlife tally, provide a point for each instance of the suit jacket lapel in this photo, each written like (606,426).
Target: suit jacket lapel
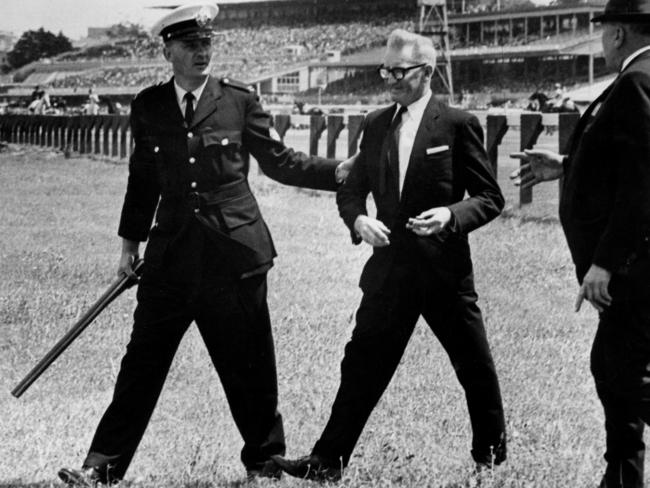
(586,118)
(422,138)
(208,101)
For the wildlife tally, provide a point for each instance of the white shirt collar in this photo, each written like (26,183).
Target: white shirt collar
(180,92)
(416,109)
(633,56)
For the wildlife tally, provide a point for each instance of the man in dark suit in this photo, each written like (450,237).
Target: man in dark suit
(208,251)
(605,214)
(418,157)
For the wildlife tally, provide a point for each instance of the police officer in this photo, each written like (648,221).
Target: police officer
(208,250)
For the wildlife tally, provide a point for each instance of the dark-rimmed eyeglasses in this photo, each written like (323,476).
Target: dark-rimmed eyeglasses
(398,73)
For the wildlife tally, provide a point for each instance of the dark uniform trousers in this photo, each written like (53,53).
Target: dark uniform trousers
(385,322)
(620,364)
(194,284)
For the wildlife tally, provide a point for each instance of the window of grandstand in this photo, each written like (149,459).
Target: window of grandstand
(289,83)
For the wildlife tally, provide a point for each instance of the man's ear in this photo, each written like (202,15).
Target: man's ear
(429,70)
(620,36)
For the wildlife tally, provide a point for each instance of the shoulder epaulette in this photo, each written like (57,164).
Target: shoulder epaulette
(148,89)
(237,84)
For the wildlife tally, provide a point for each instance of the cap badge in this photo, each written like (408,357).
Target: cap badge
(203,17)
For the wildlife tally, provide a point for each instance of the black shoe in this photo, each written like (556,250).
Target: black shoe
(313,468)
(267,469)
(87,477)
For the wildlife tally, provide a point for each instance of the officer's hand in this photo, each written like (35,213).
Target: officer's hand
(430,221)
(127,258)
(372,231)
(539,165)
(595,288)
(343,169)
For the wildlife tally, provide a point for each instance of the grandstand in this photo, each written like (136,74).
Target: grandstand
(331,47)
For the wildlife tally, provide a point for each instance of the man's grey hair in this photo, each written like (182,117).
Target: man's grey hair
(422,50)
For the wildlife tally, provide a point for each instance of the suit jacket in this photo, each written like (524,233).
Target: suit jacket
(605,204)
(199,173)
(432,180)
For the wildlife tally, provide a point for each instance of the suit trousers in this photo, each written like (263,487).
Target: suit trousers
(384,323)
(233,319)
(620,364)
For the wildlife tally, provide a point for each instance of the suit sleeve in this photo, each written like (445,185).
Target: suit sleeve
(142,190)
(352,195)
(628,225)
(485,200)
(281,163)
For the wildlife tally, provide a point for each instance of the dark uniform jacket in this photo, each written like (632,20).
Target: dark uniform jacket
(605,204)
(200,172)
(456,163)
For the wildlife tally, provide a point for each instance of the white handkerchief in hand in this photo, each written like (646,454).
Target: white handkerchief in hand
(437,149)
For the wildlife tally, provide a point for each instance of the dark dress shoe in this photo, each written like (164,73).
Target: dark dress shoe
(87,477)
(314,468)
(267,469)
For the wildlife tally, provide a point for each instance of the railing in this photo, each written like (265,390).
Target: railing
(109,135)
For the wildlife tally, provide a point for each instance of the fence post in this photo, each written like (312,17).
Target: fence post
(84,133)
(106,134)
(316,127)
(59,132)
(334,127)
(97,126)
(124,127)
(497,126)
(531,128)
(355,127)
(115,125)
(281,124)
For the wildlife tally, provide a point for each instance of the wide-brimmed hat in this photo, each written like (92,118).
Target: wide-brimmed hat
(625,11)
(187,22)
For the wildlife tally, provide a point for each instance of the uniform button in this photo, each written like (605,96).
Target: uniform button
(156,149)
(190,135)
(225,80)
(196,210)
(192,160)
(224,141)
(193,185)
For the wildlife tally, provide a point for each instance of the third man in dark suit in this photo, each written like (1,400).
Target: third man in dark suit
(418,158)
(605,214)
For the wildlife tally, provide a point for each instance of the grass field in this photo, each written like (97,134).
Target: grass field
(58,220)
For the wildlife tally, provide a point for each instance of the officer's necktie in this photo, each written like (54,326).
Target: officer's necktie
(393,143)
(189,108)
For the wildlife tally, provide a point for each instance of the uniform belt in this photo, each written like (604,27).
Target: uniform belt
(222,194)
(225,192)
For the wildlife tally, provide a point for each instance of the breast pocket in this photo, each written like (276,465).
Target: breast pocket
(223,149)
(222,140)
(438,167)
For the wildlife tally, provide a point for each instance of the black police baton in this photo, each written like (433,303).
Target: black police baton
(122,283)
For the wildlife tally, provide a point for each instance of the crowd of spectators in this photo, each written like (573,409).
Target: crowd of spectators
(242,52)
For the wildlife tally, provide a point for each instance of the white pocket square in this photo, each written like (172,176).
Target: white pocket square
(437,149)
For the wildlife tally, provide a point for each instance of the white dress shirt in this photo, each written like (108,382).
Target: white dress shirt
(633,56)
(406,135)
(180,94)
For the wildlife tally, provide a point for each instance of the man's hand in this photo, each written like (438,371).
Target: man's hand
(127,258)
(539,165)
(594,288)
(344,168)
(372,231)
(430,221)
